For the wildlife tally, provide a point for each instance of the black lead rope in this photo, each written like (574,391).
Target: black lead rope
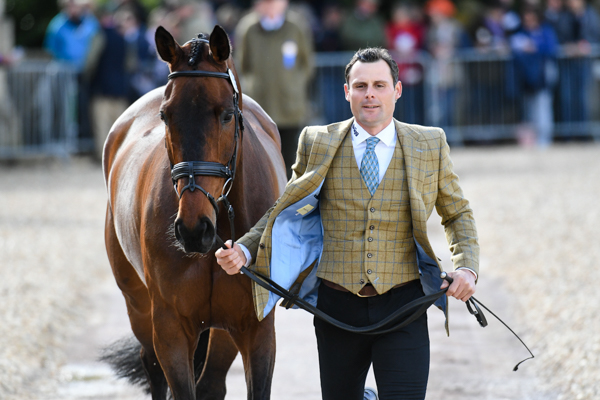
(472,306)
(391,323)
(397,320)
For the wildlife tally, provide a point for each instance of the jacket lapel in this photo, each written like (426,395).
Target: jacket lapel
(323,149)
(414,150)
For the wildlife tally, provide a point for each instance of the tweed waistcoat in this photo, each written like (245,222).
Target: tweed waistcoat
(366,239)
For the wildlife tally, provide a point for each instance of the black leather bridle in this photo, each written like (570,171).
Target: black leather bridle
(191,169)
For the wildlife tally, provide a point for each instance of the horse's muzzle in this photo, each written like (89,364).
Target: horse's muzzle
(198,239)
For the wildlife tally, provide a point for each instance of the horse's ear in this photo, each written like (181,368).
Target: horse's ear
(219,44)
(167,47)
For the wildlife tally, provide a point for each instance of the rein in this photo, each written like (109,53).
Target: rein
(397,320)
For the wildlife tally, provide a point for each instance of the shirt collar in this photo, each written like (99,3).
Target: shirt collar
(387,135)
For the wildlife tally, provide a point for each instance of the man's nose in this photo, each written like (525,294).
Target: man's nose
(369,92)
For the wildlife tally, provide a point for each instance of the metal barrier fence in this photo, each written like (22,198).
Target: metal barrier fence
(473,96)
(38,114)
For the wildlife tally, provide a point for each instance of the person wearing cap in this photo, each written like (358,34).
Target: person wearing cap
(349,234)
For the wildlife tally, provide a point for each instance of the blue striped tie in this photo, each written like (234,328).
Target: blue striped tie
(369,167)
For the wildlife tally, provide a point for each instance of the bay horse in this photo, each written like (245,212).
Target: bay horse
(188,315)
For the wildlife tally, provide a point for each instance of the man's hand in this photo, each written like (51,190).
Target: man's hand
(231,260)
(463,286)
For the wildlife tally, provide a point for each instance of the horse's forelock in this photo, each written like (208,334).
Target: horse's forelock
(196,43)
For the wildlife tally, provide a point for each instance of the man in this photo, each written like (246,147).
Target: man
(274,55)
(353,217)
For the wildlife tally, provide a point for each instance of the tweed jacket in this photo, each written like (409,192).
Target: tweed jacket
(286,243)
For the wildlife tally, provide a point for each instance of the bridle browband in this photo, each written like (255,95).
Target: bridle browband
(191,169)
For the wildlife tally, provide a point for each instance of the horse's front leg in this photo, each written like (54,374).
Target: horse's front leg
(175,340)
(221,353)
(257,346)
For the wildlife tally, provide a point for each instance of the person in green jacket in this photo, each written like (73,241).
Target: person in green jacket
(274,56)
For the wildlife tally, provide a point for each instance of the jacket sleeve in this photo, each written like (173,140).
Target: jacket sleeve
(252,239)
(457,215)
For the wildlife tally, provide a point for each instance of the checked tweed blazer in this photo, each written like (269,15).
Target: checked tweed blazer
(431,183)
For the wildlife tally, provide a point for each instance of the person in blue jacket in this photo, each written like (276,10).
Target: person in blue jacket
(534,49)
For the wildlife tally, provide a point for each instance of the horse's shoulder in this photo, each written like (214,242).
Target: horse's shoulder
(140,118)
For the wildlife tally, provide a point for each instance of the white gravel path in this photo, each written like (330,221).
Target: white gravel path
(539,228)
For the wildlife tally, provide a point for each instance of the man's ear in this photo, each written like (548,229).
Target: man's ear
(346,92)
(398,90)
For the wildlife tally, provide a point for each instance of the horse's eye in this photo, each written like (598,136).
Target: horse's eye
(228,117)
(162,117)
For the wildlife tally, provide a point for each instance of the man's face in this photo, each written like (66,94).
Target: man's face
(271,8)
(372,95)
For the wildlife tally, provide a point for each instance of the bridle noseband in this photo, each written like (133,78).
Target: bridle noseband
(191,169)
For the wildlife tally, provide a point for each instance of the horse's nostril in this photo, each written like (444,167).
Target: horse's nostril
(178,234)
(198,239)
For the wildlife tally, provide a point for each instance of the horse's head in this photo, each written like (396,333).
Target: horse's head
(201,113)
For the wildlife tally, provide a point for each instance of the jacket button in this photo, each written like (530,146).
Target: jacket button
(372,209)
(369,255)
(262,245)
(370,239)
(362,281)
(372,227)
(369,271)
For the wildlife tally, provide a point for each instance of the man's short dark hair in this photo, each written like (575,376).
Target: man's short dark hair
(374,54)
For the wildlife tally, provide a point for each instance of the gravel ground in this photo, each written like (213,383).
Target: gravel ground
(538,232)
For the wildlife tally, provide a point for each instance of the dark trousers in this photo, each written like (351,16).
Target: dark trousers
(400,359)
(289,146)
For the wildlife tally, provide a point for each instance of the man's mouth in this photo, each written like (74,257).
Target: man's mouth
(370,106)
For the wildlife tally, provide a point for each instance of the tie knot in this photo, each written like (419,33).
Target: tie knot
(372,142)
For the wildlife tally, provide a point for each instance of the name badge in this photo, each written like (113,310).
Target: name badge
(304,210)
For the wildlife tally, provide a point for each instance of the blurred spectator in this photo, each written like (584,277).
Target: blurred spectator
(363,27)
(275,58)
(576,71)
(193,17)
(534,49)
(488,32)
(331,80)
(488,78)
(110,84)
(557,16)
(444,37)
(405,37)
(73,37)
(328,38)
(511,22)
(140,56)
(69,35)
(7,59)
(112,6)
(228,16)
(125,70)
(405,33)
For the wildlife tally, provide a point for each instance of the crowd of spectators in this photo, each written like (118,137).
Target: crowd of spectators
(112,47)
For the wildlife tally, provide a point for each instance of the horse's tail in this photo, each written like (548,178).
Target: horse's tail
(123,356)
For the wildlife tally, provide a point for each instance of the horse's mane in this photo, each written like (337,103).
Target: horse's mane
(195,51)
